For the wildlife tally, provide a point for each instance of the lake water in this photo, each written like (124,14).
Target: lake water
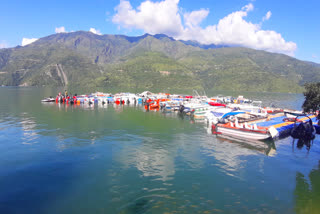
(120,159)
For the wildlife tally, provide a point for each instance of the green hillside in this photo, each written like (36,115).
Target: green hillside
(151,62)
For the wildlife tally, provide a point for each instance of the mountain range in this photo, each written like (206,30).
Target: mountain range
(152,62)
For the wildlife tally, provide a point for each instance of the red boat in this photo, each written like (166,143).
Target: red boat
(216,104)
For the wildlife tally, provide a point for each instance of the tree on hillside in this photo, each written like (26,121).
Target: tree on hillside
(312,97)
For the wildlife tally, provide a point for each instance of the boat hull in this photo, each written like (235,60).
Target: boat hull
(243,133)
(48,100)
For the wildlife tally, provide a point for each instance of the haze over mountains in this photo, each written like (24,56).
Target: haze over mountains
(152,62)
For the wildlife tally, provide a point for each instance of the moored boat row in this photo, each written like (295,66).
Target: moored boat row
(236,117)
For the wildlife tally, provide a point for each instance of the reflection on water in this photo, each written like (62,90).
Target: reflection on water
(149,156)
(307,192)
(228,154)
(28,126)
(266,147)
(156,157)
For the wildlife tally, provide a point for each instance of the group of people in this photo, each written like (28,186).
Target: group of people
(72,99)
(65,98)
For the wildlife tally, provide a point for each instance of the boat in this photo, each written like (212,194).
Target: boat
(153,105)
(48,100)
(211,103)
(200,110)
(253,106)
(221,99)
(197,108)
(170,105)
(217,114)
(273,110)
(243,131)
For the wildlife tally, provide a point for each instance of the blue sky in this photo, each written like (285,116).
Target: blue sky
(286,26)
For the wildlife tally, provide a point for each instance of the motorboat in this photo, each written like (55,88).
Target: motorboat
(219,114)
(243,131)
(48,100)
(170,105)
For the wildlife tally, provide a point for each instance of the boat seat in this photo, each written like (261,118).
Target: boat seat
(255,127)
(237,124)
(247,126)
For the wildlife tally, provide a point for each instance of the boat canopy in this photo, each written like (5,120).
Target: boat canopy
(295,114)
(233,113)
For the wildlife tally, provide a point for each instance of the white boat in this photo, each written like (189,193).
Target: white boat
(199,110)
(221,99)
(202,111)
(48,100)
(171,105)
(128,98)
(213,117)
(254,108)
(242,131)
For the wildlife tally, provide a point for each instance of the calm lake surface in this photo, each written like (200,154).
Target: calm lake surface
(120,159)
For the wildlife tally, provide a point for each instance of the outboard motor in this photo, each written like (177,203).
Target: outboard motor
(304,132)
(181,108)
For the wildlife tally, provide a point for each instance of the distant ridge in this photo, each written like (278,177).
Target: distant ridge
(313,64)
(152,62)
(197,44)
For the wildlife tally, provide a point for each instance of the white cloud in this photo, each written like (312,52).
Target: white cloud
(26,41)
(60,30)
(267,16)
(195,17)
(249,7)
(93,30)
(152,17)
(165,17)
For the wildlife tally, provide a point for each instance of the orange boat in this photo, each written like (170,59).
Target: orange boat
(153,105)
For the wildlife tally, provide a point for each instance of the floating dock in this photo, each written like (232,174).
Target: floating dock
(283,128)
